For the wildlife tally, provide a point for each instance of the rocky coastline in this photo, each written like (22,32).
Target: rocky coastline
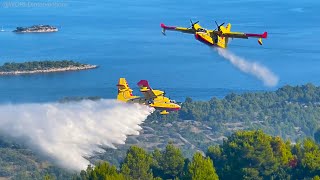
(36,28)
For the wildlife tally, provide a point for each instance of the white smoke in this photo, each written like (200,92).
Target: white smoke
(259,71)
(68,132)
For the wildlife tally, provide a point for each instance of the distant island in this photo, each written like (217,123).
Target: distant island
(36,28)
(12,68)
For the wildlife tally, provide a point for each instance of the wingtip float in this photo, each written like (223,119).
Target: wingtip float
(218,37)
(153,98)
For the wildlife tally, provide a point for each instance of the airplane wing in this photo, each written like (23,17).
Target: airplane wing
(146,90)
(244,35)
(173,28)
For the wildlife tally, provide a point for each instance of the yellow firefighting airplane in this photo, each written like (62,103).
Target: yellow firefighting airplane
(152,98)
(218,37)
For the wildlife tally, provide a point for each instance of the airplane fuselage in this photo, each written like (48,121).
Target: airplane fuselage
(205,37)
(163,104)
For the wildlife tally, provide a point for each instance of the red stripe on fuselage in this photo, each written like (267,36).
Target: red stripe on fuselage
(198,37)
(169,109)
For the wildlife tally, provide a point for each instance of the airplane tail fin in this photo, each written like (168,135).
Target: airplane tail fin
(228,29)
(124,91)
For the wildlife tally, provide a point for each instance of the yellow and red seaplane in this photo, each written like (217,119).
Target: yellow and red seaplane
(218,37)
(152,98)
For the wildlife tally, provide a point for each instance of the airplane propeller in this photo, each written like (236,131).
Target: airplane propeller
(192,24)
(150,101)
(218,26)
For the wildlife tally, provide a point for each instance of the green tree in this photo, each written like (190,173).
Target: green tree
(83,175)
(169,163)
(251,174)
(254,155)
(105,171)
(137,164)
(48,177)
(308,154)
(215,153)
(281,150)
(202,168)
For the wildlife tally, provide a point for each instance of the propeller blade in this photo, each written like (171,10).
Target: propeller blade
(218,26)
(196,22)
(191,26)
(216,23)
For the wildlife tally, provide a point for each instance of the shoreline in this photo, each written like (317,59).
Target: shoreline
(36,28)
(70,68)
(40,31)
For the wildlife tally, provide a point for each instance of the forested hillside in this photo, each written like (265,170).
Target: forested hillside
(245,155)
(292,113)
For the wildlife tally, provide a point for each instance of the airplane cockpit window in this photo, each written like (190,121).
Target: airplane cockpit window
(172,101)
(202,30)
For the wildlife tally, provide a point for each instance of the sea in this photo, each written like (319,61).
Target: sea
(124,38)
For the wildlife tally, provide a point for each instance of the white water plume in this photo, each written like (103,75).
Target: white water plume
(259,71)
(68,132)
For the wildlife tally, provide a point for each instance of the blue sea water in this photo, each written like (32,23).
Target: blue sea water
(124,38)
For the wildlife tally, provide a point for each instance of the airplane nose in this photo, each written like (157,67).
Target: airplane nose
(196,36)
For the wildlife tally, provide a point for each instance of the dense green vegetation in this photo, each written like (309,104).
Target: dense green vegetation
(245,155)
(208,128)
(37,65)
(290,112)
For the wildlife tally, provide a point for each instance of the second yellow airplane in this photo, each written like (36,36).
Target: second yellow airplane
(218,37)
(152,98)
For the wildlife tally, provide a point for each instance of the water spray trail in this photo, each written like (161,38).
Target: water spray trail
(259,71)
(68,132)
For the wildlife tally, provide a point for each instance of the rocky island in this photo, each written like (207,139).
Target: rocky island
(36,28)
(12,68)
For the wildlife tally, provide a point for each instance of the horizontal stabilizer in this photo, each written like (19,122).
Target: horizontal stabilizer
(166,27)
(264,35)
